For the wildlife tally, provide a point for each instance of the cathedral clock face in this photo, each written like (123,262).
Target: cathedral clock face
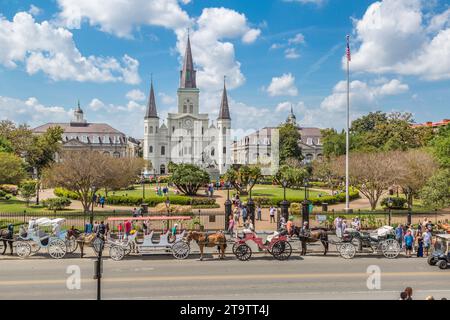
(188,123)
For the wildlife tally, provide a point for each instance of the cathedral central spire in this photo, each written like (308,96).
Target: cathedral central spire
(224,112)
(151,107)
(188,74)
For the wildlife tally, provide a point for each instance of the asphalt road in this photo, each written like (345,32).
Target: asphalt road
(162,277)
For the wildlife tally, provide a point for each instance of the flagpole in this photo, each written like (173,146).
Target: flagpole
(347,135)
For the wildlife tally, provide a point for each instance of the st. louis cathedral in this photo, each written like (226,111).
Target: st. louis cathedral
(188,136)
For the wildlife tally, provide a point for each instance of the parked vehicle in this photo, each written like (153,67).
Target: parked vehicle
(440,254)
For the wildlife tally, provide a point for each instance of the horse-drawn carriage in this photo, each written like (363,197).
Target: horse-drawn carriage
(33,238)
(276,244)
(382,240)
(121,244)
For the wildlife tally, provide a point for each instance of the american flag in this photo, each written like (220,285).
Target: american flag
(349,58)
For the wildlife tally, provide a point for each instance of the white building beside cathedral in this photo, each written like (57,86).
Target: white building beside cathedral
(188,136)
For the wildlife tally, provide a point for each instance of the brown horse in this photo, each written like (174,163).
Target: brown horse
(204,240)
(7,238)
(313,236)
(85,239)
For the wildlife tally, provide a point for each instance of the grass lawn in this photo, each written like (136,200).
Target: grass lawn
(14,205)
(261,190)
(137,192)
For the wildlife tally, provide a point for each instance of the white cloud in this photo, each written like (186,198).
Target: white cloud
(297,39)
(35,11)
(316,2)
(166,99)
(42,47)
(30,111)
(291,53)
(96,104)
(136,95)
(363,97)
(283,86)
(395,37)
(122,17)
(213,56)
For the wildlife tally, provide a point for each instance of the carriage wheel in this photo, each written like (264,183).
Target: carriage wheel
(23,249)
(127,247)
(235,245)
(180,250)
(116,252)
(281,250)
(71,245)
(243,252)
(347,250)
(390,248)
(57,248)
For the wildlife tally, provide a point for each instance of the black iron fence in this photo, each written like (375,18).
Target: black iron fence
(201,219)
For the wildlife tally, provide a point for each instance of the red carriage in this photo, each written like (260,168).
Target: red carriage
(276,244)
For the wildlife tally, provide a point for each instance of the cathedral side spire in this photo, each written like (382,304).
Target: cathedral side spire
(151,106)
(188,74)
(224,112)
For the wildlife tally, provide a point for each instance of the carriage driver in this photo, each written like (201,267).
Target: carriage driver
(305,231)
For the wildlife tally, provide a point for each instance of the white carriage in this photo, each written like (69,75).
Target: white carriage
(33,238)
(121,245)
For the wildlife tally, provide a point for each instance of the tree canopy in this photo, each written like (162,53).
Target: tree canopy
(243,178)
(11,168)
(289,139)
(188,178)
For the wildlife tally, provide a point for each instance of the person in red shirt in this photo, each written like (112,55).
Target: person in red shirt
(127,228)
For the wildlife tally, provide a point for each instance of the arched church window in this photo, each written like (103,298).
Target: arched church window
(212,152)
(185,109)
(150,130)
(163,150)
(150,149)
(224,130)
(224,150)
(162,169)
(173,129)
(191,108)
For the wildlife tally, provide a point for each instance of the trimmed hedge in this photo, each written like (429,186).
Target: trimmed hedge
(275,201)
(397,203)
(136,200)
(56,203)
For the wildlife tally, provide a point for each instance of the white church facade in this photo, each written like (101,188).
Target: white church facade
(188,136)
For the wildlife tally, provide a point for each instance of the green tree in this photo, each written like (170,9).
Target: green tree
(243,178)
(188,178)
(294,177)
(5,145)
(11,169)
(20,137)
(441,146)
(42,152)
(333,142)
(436,192)
(289,142)
(28,190)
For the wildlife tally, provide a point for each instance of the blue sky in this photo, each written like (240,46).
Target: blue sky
(274,53)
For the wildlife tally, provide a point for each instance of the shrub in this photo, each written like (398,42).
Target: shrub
(397,202)
(275,201)
(64,193)
(2,194)
(56,203)
(10,188)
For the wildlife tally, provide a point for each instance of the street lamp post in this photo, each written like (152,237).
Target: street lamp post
(390,208)
(251,204)
(92,209)
(227,205)
(305,206)
(98,266)
(285,204)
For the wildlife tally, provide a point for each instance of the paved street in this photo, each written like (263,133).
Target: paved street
(162,277)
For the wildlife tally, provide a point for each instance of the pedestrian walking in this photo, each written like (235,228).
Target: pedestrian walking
(102,201)
(399,235)
(272,214)
(258,213)
(409,241)
(231,223)
(244,214)
(419,246)
(427,241)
